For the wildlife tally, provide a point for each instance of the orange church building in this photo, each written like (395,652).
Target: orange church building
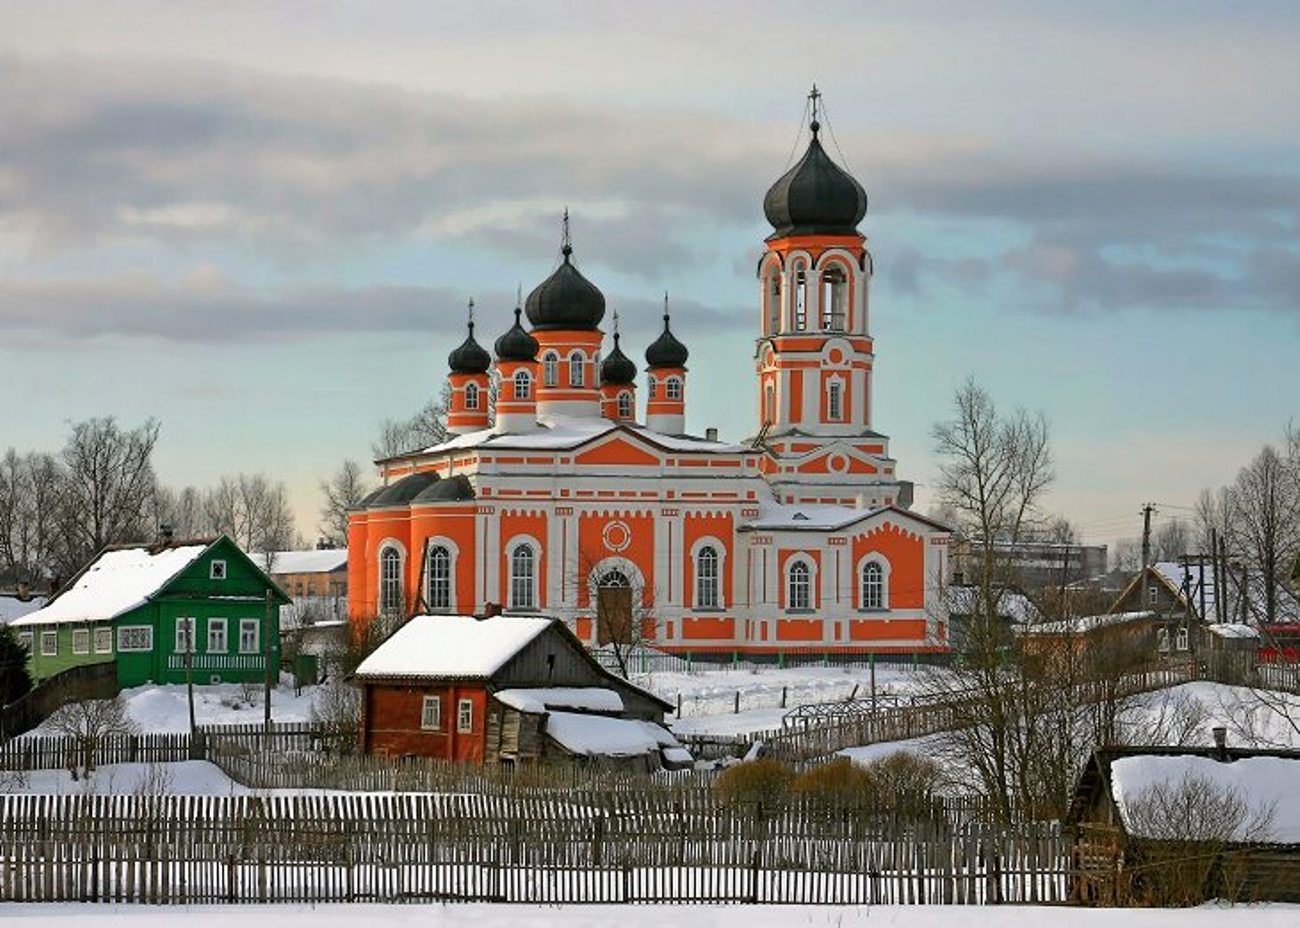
(796,539)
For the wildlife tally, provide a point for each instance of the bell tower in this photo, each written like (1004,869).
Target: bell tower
(815,353)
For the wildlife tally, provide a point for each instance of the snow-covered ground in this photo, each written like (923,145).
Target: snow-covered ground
(166,709)
(1187,714)
(72,915)
(188,778)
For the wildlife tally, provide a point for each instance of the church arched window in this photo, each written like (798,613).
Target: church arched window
(575,369)
(673,388)
(438,579)
(873,586)
(706,578)
(774,302)
(523,577)
(798,586)
(523,385)
(625,405)
(391,600)
(769,404)
(471,396)
(800,297)
(550,369)
(835,400)
(834,299)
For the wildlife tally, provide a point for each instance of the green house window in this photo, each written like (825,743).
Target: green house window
(49,644)
(217,570)
(184,635)
(25,639)
(248,643)
(135,638)
(216,636)
(81,641)
(104,640)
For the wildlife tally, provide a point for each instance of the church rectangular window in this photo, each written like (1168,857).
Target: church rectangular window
(625,405)
(834,299)
(800,300)
(471,396)
(673,388)
(835,401)
(575,370)
(550,369)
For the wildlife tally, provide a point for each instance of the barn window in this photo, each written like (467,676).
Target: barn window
(438,581)
(799,586)
(523,578)
(471,396)
(550,369)
(873,586)
(431,713)
(390,581)
(706,578)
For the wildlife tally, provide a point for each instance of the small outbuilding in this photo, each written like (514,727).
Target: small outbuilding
(1182,825)
(508,689)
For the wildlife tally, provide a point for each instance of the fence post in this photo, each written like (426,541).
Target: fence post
(736,709)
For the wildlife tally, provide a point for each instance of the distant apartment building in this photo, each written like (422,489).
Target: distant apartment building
(1032,565)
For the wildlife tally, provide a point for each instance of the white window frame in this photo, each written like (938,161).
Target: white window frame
(217,570)
(625,404)
(708,587)
(26,639)
(464,716)
(1153,594)
(127,632)
(519,583)
(185,627)
(81,641)
(673,389)
(550,369)
(879,585)
(805,586)
(104,639)
(443,580)
(577,373)
(835,298)
(652,386)
(523,385)
(215,625)
(471,396)
(1184,640)
(46,649)
(1162,639)
(392,592)
(256,626)
(431,713)
(800,297)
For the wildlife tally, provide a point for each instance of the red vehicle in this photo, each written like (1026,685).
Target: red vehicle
(1279,643)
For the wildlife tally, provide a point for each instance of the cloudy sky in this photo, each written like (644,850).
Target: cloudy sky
(260,222)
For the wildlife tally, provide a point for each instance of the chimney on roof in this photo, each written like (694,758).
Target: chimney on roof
(711,434)
(165,533)
(1221,742)
(491,610)
(24,590)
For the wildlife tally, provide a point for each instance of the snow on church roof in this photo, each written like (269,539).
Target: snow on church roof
(458,646)
(560,432)
(116,582)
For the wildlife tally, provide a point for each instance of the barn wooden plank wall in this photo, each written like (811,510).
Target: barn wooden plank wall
(595,846)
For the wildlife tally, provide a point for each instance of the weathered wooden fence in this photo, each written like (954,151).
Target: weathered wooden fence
(585,846)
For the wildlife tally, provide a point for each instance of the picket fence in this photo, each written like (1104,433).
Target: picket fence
(577,847)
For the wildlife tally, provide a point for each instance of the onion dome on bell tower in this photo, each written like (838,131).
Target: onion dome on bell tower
(666,350)
(516,344)
(666,381)
(816,196)
(467,410)
(516,405)
(566,299)
(618,383)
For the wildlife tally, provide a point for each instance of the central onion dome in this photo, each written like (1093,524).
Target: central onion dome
(666,350)
(470,357)
(618,368)
(516,344)
(815,197)
(566,299)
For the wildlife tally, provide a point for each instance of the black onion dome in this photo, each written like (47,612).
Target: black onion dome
(815,197)
(516,344)
(566,299)
(666,350)
(470,357)
(618,368)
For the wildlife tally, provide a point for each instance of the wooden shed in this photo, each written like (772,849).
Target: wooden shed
(1182,825)
(506,689)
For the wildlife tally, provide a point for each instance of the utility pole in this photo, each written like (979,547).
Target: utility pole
(1218,576)
(1146,534)
(1200,566)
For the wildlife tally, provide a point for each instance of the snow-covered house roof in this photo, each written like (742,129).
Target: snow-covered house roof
(1243,595)
(117,581)
(1083,624)
(602,736)
(11,607)
(452,646)
(1233,630)
(1266,782)
(1013,605)
(317,561)
(542,699)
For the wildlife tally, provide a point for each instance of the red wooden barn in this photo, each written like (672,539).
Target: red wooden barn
(505,689)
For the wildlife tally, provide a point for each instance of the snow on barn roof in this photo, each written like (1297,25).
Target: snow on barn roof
(317,561)
(599,735)
(460,646)
(117,581)
(1266,783)
(1233,630)
(540,699)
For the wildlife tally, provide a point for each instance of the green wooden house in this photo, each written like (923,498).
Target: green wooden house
(144,606)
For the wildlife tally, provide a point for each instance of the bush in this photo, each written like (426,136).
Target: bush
(15,680)
(839,782)
(904,783)
(762,783)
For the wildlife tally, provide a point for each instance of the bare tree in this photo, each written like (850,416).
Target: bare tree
(89,722)
(1171,540)
(110,483)
(1126,555)
(253,510)
(343,492)
(426,428)
(1264,522)
(182,510)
